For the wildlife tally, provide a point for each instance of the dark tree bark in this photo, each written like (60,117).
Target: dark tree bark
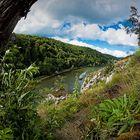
(11,11)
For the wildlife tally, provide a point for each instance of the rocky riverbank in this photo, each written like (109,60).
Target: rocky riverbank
(101,75)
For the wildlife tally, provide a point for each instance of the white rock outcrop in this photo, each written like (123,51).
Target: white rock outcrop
(99,76)
(91,81)
(54,99)
(109,78)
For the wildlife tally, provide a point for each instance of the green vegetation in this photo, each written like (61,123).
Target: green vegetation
(18,116)
(51,56)
(54,116)
(114,108)
(118,115)
(20,105)
(26,115)
(108,110)
(109,67)
(111,117)
(115,116)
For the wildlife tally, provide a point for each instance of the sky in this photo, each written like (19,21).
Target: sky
(98,24)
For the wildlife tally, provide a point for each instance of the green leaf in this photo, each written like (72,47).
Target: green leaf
(123,129)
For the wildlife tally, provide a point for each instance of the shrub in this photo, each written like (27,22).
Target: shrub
(113,117)
(18,104)
(76,89)
(135,58)
(109,67)
(54,116)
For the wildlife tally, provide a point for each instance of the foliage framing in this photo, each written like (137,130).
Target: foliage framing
(11,11)
(135,21)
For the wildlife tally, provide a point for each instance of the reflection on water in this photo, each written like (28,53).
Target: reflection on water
(68,79)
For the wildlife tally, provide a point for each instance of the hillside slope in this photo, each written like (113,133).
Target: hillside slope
(51,56)
(108,109)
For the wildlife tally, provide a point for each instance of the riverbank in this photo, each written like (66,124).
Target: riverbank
(41,78)
(66,79)
(78,116)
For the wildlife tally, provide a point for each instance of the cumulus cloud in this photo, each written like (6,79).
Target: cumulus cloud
(116,53)
(50,13)
(37,20)
(111,35)
(97,11)
(48,16)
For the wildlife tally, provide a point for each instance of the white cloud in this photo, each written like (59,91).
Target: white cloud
(112,36)
(50,13)
(47,16)
(97,11)
(37,20)
(119,36)
(116,53)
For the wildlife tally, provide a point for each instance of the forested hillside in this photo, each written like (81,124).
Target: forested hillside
(51,56)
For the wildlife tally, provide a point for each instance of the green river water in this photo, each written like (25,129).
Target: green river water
(67,79)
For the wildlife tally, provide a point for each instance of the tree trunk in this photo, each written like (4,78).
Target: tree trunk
(11,11)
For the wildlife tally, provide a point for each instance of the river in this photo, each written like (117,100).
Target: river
(66,79)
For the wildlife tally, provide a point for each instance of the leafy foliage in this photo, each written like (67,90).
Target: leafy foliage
(51,56)
(109,67)
(6,134)
(115,116)
(135,23)
(112,117)
(55,116)
(76,87)
(18,117)
(135,59)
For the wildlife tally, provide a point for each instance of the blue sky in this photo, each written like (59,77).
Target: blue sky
(98,24)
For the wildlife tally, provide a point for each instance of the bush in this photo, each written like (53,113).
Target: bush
(18,104)
(109,67)
(55,116)
(113,117)
(135,58)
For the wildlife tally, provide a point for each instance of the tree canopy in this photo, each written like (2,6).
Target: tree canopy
(50,55)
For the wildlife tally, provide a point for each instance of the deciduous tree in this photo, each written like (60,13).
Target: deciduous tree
(135,23)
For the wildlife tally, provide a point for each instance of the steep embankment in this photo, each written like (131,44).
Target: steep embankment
(51,56)
(95,89)
(108,109)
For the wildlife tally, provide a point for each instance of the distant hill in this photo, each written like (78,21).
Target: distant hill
(50,55)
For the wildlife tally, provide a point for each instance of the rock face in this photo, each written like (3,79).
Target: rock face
(54,99)
(109,78)
(100,75)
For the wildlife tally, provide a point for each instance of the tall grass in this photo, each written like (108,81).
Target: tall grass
(115,116)
(18,116)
